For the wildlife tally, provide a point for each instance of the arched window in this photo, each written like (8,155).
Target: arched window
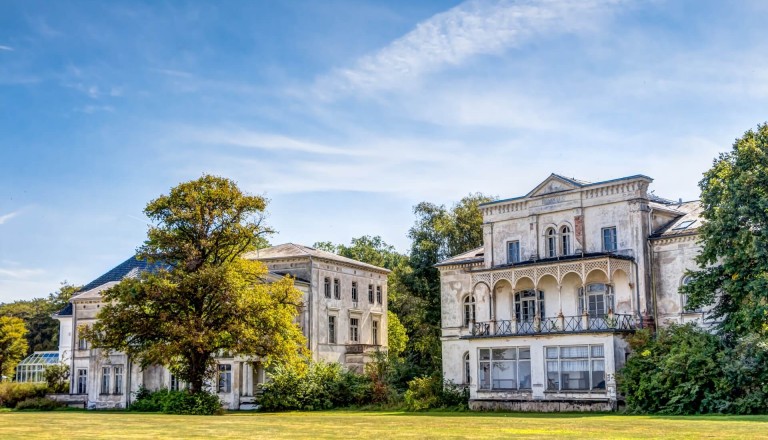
(469,310)
(528,305)
(550,247)
(565,240)
(467,374)
(596,299)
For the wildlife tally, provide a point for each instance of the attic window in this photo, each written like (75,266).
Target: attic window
(683,225)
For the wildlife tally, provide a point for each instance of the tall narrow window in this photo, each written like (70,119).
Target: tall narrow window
(354,291)
(375,332)
(118,387)
(82,381)
(327,287)
(609,239)
(378,294)
(174,383)
(353,330)
(467,371)
(513,252)
(336,289)
(105,380)
(565,240)
(469,310)
(550,247)
(596,299)
(684,307)
(528,305)
(225,378)
(370,293)
(331,329)
(82,343)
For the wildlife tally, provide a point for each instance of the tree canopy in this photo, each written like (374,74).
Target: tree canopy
(733,263)
(208,300)
(13,344)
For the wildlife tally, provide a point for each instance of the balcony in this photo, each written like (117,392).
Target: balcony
(610,323)
(361,348)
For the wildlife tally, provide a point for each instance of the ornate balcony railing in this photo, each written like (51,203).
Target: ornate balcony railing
(611,322)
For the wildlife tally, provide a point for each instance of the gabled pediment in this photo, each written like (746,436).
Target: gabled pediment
(553,184)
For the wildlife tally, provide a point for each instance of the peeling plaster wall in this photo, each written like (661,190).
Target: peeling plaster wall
(672,257)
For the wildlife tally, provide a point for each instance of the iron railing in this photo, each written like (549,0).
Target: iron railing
(611,322)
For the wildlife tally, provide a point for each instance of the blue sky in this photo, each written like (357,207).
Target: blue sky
(347,113)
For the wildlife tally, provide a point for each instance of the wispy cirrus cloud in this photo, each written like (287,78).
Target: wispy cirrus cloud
(19,273)
(6,48)
(5,217)
(455,36)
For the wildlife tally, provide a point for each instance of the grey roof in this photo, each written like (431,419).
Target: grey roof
(687,224)
(473,256)
(292,250)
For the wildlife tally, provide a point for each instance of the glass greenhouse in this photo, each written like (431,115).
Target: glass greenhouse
(31,369)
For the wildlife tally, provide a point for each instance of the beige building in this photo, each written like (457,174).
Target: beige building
(536,319)
(343,318)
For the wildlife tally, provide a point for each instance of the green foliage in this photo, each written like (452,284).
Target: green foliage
(733,261)
(57,378)
(687,370)
(210,299)
(38,404)
(11,393)
(166,401)
(318,386)
(397,338)
(431,392)
(43,330)
(13,344)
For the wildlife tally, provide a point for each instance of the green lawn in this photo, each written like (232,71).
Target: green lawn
(379,425)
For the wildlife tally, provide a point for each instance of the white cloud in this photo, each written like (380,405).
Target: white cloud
(6,48)
(20,273)
(4,218)
(453,37)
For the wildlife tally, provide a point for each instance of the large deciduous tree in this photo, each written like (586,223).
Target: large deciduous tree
(208,300)
(733,262)
(13,344)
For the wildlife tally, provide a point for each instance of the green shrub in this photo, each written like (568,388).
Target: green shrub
(431,392)
(38,403)
(176,402)
(11,393)
(56,377)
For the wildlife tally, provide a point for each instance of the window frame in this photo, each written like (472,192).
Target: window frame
(379,295)
(614,237)
(118,374)
(566,246)
(470,310)
(225,374)
(370,293)
(354,330)
(336,288)
(82,381)
(106,380)
(684,310)
(354,291)
(332,329)
(591,359)
(467,369)
(513,258)
(491,361)
(375,332)
(550,243)
(327,287)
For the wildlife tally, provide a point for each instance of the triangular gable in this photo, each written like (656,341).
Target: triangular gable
(553,184)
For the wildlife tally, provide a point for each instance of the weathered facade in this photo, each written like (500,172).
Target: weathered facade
(536,319)
(343,318)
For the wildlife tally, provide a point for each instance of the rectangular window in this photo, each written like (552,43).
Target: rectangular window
(118,388)
(579,367)
(354,291)
(370,293)
(375,332)
(505,368)
(82,344)
(378,294)
(353,330)
(331,329)
(327,287)
(225,378)
(336,289)
(609,239)
(82,381)
(513,252)
(174,383)
(105,373)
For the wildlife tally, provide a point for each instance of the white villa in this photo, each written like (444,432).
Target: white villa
(344,319)
(536,318)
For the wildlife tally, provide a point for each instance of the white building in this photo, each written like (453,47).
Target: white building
(343,318)
(536,319)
